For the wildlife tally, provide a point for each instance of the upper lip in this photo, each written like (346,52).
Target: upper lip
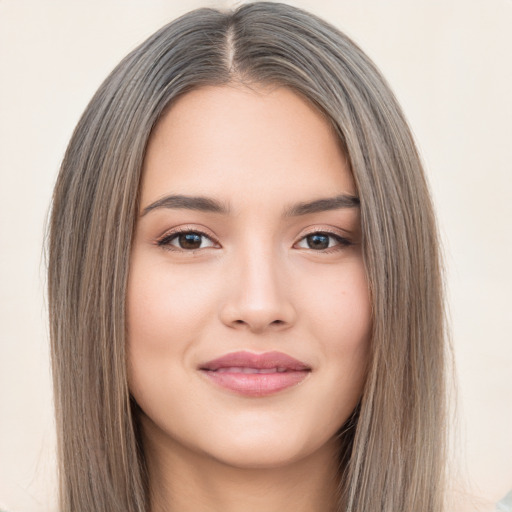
(244,359)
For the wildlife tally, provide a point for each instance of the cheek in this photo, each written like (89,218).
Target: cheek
(166,313)
(340,319)
(340,308)
(165,305)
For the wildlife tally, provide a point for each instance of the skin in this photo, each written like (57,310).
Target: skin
(255,282)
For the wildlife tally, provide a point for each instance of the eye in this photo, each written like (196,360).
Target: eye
(321,240)
(186,240)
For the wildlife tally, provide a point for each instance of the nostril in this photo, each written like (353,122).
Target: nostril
(274,322)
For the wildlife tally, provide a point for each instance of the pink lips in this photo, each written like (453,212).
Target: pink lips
(252,374)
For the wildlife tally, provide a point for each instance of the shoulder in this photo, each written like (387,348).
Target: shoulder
(505,505)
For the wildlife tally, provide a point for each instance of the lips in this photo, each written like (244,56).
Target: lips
(256,375)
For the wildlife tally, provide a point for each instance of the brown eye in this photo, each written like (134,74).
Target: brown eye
(189,240)
(320,241)
(186,240)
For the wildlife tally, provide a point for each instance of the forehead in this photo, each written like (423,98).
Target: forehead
(234,142)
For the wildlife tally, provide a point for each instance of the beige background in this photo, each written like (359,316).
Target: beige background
(450,64)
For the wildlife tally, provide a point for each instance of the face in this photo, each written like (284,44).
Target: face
(247,249)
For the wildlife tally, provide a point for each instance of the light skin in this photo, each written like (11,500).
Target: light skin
(259,264)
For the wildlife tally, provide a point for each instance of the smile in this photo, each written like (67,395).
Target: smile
(255,375)
(234,369)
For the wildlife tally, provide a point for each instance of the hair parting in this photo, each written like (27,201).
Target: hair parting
(392,447)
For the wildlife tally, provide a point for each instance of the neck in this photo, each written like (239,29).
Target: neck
(185,481)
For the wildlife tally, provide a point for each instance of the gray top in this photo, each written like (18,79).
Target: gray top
(505,505)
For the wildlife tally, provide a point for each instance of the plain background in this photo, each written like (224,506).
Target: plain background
(450,64)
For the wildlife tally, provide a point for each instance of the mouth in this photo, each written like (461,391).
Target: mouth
(255,375)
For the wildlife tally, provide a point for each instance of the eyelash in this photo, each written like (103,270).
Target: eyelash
(341,242)
(165,241)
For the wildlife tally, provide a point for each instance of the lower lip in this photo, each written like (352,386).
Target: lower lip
(256,384)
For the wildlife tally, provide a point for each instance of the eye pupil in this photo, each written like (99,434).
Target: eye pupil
(318,241)
(190,240)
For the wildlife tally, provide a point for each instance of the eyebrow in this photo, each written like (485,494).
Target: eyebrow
(322,205)
(199,203)
(207,204)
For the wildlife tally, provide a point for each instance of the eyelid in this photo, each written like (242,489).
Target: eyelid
(329,230)
(332,230)
(162,241)
(343,238)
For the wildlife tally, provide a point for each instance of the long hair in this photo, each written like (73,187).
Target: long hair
(393,455)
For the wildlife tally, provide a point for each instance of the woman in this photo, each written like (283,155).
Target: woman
(243,197)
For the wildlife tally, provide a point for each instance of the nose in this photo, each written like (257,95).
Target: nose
(259,297)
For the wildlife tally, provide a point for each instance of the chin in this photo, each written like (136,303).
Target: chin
(258,457)
(264,449)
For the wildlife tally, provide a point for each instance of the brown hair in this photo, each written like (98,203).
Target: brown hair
(393,458)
